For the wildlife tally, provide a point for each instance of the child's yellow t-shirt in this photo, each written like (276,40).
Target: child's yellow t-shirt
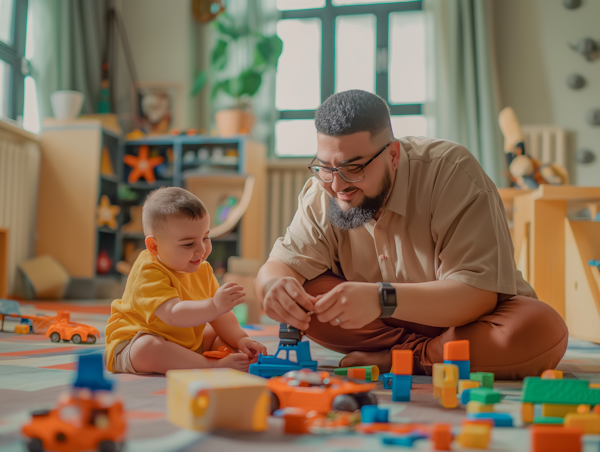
(150,284)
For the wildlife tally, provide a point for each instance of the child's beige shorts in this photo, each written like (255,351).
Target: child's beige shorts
(122,361)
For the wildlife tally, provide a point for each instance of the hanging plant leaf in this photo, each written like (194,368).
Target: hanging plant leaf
(218,57)
(199,83)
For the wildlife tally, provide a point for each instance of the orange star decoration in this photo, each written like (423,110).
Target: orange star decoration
(107,213)
(143,166)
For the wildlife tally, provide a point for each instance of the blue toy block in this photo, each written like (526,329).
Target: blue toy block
(464,368)
(500,419)
(90,373)
(383,415)
(275,366)
(465,397)
(403,440)
(388,380)
(368,414)
(401,385)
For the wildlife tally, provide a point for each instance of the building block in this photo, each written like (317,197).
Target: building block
(403,440)
(485,395)
(444,375)
(474,436)
(465,397)
(478,407)
(555,410)
(500,419)
(357,374)
(552,439)
(371,372)
(479,421)
(448,397)
(441,436)
(295,423)
(547,420)
(467,384)
(205,399)
(368,413)
(90,373)
(456,351)
(464,368)
(486,379)
(590,423)
(561,392)
(552,374)
(527,412)
(388,380)
(383,415)
(22,328)
(402,362)
(401,386)
(584,409)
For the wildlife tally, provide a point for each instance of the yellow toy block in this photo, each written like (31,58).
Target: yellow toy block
(555,410)
(205,399)
(590,423)
(527,412)
(444,375)
(476,436)
(474,406)
(22,328)
(448,397)
(466,384)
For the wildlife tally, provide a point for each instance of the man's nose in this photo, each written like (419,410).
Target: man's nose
(338,183)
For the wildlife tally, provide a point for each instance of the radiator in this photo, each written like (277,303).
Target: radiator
(19,178)
(286,180)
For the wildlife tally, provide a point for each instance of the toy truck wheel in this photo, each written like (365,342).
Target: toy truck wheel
(91,339)
(55,337)
(365,398)
(35,445)
(76,339)
(275,404)
(345,402)
(107,446)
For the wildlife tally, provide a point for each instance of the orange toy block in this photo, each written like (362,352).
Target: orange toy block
(143,165)
(482,421)
(456,351)
(552,374)
(402,362)
(357,374)
(441,436)
(555,439)
(295,423)
(448,397)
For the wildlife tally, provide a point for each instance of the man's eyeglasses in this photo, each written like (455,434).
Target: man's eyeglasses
(350,173)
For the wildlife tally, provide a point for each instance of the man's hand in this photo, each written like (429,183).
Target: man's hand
(228,296)
(287,302)
(251,348)
(354,304)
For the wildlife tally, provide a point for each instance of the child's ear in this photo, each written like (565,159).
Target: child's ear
(151,245)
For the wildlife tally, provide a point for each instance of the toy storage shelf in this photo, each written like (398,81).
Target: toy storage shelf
(199,155)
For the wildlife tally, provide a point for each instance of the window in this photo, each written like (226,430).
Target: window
(336,45)
(13,65)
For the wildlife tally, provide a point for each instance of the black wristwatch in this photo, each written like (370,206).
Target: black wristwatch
(387,300)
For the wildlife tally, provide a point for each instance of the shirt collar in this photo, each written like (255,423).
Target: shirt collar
(398,198)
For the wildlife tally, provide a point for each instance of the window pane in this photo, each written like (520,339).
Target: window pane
(298,85)
(31,117)
(355,52)
(286,5)
(366,2)
(295,137)
(409,125)
(6,20)
(4,85)
(407,58)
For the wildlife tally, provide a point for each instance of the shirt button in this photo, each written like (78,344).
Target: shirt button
(378,228)
(383,257)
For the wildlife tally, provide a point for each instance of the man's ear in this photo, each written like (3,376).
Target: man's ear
(395,150)
(151,245)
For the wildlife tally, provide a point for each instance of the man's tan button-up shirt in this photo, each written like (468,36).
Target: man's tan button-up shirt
(443,220)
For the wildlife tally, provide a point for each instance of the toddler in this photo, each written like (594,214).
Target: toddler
(173,309)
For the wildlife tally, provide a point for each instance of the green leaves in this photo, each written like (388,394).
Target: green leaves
(218,56)
(267,51)
(199,83)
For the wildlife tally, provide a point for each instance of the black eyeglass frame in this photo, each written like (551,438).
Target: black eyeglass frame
(334,170)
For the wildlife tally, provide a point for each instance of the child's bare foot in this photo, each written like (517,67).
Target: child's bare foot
(237,361)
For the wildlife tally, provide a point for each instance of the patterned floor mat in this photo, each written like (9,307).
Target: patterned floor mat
(34,371)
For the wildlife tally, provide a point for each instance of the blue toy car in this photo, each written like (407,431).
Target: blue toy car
(287,358)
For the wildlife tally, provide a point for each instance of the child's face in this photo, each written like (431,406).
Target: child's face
(182,244)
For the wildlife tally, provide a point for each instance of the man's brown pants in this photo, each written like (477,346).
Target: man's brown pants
(522,337)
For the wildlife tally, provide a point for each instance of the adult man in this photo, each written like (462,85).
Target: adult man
(422,215)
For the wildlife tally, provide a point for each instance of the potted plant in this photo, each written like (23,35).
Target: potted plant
(239,81)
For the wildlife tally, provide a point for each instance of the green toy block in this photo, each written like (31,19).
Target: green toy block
(548,420)
(485,395)
(486,379)
(371,372)
(561,392)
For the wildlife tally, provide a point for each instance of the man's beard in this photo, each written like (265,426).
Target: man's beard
(357,216)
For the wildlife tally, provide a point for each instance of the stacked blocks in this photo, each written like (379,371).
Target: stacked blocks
(499,419)
(371,372)
(372,413)
(481,400)
(402,366)
(445,382)
(466,384)
(457,353)
(485,379)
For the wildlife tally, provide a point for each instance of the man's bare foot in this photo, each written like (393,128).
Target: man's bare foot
(237,361)
(382,359)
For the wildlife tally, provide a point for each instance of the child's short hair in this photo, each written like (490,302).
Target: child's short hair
(167,202)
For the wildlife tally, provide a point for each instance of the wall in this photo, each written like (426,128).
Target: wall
(534,61)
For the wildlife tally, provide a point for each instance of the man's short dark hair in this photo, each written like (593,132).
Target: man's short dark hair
(353,111)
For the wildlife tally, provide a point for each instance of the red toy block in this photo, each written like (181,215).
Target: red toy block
(357,374)
(441,436)
(402,362)
(295,423)
(555,439)
(456,351)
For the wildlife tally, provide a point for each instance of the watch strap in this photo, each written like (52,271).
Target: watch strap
(387,300)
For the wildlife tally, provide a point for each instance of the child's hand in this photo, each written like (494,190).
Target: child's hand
(228,296)
(237,361)
(251,348)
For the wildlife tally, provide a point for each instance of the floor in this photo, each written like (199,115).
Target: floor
(34,371)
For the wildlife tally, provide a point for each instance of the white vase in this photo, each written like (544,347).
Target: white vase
(66,104)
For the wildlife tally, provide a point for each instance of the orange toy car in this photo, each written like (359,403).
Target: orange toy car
(318,391)
(81,421)
(66,330)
